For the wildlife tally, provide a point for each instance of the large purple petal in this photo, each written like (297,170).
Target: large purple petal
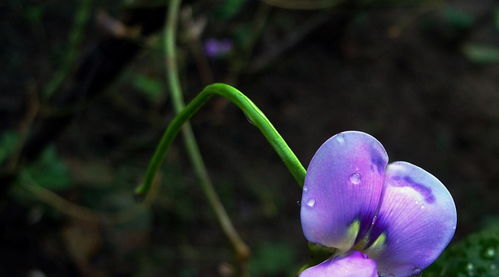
(416,221)
(355,264)
(342,189)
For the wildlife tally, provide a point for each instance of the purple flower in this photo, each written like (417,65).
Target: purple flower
(356,264)
(217,48)
(398,215)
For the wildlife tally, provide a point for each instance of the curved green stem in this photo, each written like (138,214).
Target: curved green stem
(252,112)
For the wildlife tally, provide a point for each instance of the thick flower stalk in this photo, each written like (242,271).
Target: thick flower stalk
(383,219)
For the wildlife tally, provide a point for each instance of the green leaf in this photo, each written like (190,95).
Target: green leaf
(34,13)
(476,255)
(49,171)
(481,54)
(272,259)
(8,144)
(150,87)
(496,18)
(228,9)
(457,19)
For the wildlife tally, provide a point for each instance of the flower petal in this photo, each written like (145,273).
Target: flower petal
(342,189)
(416,221)
(355,264)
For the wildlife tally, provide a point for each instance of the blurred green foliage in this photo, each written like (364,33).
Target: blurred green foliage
(227,9)
(457,20)
(475,255)
(34,13)
(8,144)
(273,258)
(49,171)
(150,87)
(481,53)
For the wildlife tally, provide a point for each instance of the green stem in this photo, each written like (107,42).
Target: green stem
(252,112)
(240,247)
(255,116)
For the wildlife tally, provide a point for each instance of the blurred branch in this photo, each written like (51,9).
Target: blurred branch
(194,29)
(240,247)
(243,57)
(115,27)
(292,39)
(303,4)
(75,38)
(83,213)
(397,29)
(60,204)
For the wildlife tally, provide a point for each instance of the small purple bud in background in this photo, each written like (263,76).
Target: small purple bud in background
(216,48)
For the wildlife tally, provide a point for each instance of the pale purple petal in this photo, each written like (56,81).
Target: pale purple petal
(342,189)
(416,221)
(355,264)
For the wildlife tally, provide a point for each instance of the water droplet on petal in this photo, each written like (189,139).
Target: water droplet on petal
(355,178)
(416,270)
(311,202)
(305,189)
(422,207)
(340,139)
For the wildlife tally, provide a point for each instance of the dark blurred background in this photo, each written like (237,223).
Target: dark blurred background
(84,101)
